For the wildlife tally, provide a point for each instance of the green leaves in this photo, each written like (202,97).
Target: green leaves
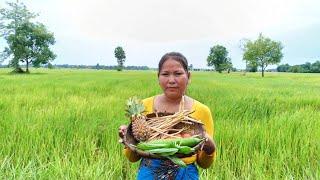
(13,16)
(28,42)
(31,44)
(121,56)
(218,58)
(262,52)
(134,107)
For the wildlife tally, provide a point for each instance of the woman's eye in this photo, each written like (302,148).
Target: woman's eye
(164,74)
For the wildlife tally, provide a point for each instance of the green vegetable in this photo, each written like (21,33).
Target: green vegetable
(149,146)
(192,141)
(168,147)
(177,161)
(185,149)
(169,143)
(163,151)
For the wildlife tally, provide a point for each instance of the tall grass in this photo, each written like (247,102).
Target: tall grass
(63,123)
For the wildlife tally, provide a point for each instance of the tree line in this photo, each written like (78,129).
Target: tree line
(302,68)
(102,67)
(258,53)
(261,52)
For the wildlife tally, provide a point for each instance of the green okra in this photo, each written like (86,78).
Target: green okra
(177,161)
(163,151)
(185,149)
(191,141)
(149,146)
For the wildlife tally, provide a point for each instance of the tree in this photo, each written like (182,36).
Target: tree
(306,68)
(262,52)
(50,66)
(283,68)
(218,58)
(121,56)
(228,65)
(251,67)
(98,66)
(28,42)
(296,69)
(303,68)
(31,45)
(315,67)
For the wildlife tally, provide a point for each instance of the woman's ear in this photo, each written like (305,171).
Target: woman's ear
(189,77)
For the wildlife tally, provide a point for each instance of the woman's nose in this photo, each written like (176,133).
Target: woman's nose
(172,80)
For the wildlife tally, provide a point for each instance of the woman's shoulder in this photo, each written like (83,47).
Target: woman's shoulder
(148,100)
(148,104)
(201,111)
(198,106)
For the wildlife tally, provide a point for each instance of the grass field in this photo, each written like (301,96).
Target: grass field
(58,124)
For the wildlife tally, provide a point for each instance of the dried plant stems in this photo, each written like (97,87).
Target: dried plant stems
(162,127)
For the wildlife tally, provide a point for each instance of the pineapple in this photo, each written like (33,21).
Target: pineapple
(140,128)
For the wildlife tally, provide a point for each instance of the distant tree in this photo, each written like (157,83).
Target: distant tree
(121,56)
(218,57)
(50,66)
(306,68)
(251,67)
(228,65)
(303,68)
(262,52)
(97,66)
(190,67)
(28,42)
(10,20)
(315,67)
(296,69)
(283,68)
(31,45)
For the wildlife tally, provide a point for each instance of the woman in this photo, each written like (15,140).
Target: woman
(174,77)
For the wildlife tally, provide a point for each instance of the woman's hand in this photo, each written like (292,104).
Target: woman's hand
(209,146)
(122,132)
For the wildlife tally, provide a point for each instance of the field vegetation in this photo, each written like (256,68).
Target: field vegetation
(63,123)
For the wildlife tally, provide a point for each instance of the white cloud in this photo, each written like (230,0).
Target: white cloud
(174,20)
(87,31)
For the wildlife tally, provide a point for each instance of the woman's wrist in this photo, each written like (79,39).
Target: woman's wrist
(209,146)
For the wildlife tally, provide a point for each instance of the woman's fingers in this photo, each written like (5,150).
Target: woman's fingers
(122,130)
(209,145)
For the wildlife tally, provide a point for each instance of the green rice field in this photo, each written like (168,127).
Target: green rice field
(63,124)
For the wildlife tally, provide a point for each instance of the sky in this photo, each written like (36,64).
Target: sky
(87,32)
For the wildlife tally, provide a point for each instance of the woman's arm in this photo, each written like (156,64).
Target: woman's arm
(131,156)
(205,157)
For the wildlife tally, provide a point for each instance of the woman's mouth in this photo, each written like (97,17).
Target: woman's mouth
(172,88)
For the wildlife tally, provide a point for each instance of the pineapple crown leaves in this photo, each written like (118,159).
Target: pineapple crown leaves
(134,107)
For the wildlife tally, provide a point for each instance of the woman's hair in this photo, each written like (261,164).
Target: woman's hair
(175,56)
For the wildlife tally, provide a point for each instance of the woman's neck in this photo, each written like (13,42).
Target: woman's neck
(171,100)
(165,104)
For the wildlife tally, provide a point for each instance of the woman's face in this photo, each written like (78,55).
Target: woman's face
(173,79)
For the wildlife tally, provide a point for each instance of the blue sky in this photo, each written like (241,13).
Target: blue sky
(87,32)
